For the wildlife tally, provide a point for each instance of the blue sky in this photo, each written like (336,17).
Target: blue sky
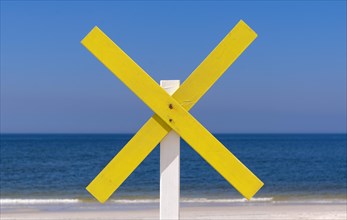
(292,79)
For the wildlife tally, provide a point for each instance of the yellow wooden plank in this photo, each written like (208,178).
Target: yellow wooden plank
(177,117)
(149,136)
(214,65)
(125,162)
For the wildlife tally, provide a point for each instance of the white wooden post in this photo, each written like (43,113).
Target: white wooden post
(170,166)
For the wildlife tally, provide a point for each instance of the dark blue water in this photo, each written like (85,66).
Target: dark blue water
(61,166)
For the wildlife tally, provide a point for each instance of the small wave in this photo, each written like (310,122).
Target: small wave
(192,200)
(37,201)
(312,201)
(207,200)
(134,201)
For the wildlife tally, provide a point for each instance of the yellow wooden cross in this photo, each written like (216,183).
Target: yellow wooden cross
(171,112)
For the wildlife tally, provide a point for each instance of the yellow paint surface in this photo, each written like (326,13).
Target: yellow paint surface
(123,164)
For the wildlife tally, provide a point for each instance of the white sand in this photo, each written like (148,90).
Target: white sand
(263,211)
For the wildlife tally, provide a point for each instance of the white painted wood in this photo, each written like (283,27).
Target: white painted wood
(170,166)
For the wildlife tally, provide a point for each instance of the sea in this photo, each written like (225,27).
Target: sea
(56,168)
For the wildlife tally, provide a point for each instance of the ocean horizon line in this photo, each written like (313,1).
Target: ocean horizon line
(214,133)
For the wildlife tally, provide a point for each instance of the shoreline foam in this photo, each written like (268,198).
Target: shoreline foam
(53,201)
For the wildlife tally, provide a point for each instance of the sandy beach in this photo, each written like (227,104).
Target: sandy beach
(260,211)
